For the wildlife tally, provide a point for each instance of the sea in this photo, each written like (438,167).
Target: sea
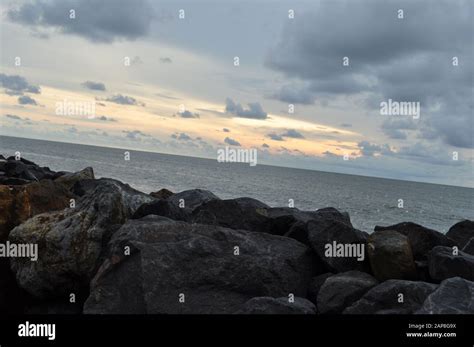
(370,201)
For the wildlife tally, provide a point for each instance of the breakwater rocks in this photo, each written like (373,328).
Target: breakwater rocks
(106,248)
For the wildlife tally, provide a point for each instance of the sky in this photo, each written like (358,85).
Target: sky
(306,92)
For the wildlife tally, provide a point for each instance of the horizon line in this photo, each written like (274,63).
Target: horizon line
(268,165)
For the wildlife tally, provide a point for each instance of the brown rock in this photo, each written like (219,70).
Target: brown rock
(19,203)
(391,256)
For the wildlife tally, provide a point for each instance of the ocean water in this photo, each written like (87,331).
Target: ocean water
(369,201)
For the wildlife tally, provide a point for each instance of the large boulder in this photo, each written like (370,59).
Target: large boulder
(18,203)
(23,171)
(338,245)
(70,179)
(298,229)
(162,208)
(453,296)
(70,241)
(282,219)
(292,222)
(422,240)
(190,199)
(299,232)
(269,305)
(176,267)
(331,213)
(393,297)
(253,215)
(461,232)
(469,247)
(315,286)
(342,290)
(443,264)
(241,213)
(391,256)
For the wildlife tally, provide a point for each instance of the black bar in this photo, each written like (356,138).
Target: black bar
(318,330)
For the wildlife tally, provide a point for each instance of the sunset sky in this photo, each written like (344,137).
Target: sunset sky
(182,93)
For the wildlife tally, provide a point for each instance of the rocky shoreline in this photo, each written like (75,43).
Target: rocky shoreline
(106,248)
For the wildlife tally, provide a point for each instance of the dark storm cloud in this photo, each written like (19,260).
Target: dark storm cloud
(291,133)
(26,100)
(294,95)
(17,85)
(399,123)
(188,114)
(181,137)
(421,152)
(331,154)
(275,137)
(395,134)
(124,100)
(254,110)
(106,119)
(231,142)
(370,149)
(16,118)
(135,135)
(406,59)
(395,128)
(94,85)
(95,20)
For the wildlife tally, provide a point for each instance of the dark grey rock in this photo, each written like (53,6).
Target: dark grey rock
(453,296)
(444,264)
(342,290)
(322,233)
(69,179)
(282,219)
(331,213)
(170,258)
(391,256)
(253,215)
(299,232)
(192,198)
(315,285)
(162,208)
(469,247)
(242,213)
(18,170)
(386,299)
(423,270)
(269,305)
(461,232)
(422,240)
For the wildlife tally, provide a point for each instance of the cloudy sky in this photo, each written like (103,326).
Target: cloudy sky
(182,92)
